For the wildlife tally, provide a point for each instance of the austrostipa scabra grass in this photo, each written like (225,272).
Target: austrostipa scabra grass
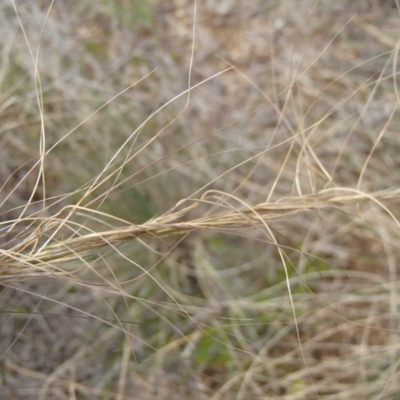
(244,217)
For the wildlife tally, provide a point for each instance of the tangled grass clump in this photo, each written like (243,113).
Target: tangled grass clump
(30,257)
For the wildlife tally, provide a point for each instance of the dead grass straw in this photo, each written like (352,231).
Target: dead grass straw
(32,258)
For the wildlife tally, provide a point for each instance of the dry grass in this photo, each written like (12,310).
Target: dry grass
(199,200)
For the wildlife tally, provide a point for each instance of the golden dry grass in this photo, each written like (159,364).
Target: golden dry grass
(199,200)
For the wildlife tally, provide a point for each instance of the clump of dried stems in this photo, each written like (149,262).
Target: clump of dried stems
(50,240)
